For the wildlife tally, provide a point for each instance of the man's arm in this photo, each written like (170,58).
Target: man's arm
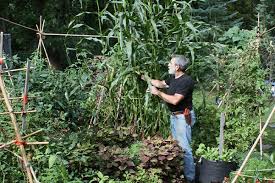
(172,99)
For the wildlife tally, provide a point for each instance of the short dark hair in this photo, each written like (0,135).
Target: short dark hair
(181,61)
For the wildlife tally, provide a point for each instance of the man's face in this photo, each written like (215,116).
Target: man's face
(172,68)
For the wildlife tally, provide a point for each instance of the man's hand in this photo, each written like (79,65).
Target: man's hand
(142,77)
(154,90)
(145,77)
(154,82)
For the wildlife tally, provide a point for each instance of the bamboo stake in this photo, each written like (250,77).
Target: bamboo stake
(14,70)
(39,50)
(17,24)
(46,53)
(7,144)
(17,133)
(221,138)
(25,96)
(36,143)
(249,176)
(9,74)
(31,134)
(17,112)
(34,176)
(16,98)
(1,50)
(261,138)
(76,35)
(254,145)
(257,47)
(26,143)
(40,22)
(26,136)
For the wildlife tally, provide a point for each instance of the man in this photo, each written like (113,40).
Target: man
(179,100)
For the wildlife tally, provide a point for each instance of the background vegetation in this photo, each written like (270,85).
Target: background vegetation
(100,122)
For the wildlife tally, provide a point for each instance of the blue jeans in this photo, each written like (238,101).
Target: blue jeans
(181,132)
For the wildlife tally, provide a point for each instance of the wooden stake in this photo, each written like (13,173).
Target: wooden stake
(14,70)
(221,140)
(31,134)
(36,143)
(1,49)
(7,144)
(45,51)
(25,96)
(261,138)
(16,98)
(26,136)
(16,112)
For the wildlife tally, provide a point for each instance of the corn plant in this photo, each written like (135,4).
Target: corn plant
(147,34)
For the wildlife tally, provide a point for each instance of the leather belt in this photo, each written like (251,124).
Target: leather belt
(177,112)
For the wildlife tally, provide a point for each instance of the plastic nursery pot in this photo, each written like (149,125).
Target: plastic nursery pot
(214,171)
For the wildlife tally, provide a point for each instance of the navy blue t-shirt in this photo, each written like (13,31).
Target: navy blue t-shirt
(184,85)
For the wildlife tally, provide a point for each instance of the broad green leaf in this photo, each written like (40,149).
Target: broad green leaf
(52,160)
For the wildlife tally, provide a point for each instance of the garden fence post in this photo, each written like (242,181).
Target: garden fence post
(221,141)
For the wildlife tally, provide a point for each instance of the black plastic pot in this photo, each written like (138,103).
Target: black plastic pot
(214,171)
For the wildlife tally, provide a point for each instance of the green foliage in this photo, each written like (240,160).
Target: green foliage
(213,153)
(246,99)
(207,121)
(239,77)
(236,37)
(140,176)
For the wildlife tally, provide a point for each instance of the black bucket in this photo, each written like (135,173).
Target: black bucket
(214,171)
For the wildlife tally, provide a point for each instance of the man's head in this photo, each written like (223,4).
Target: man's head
(178,63)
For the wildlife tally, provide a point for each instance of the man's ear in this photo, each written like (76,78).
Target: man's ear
(177,68)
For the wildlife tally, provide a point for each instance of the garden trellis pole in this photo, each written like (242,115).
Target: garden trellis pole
(19,140)
(257,49)
(25,96)
(13,119)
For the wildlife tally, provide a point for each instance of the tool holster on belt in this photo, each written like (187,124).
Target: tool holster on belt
(187,115)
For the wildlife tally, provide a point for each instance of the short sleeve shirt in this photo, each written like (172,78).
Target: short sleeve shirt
(184,85)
